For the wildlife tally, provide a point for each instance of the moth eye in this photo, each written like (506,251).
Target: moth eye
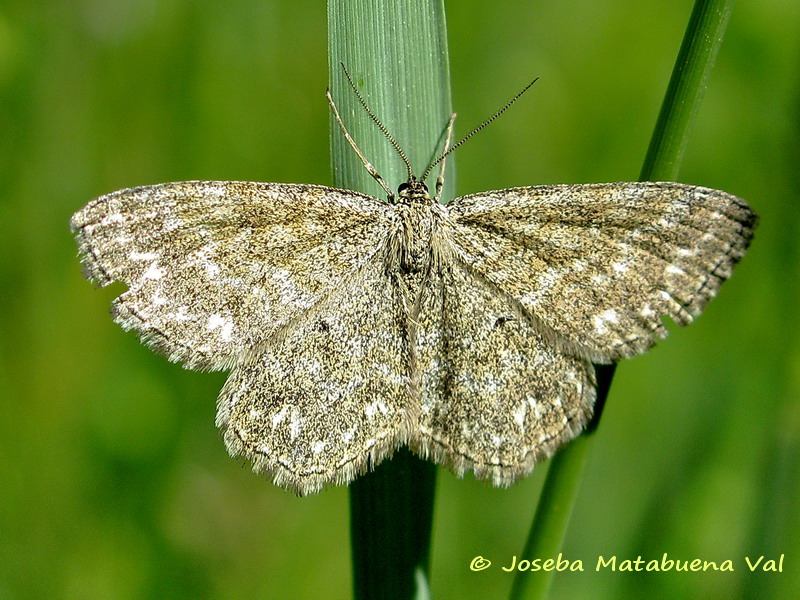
(402,188)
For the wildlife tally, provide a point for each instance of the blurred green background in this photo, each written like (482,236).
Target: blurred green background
(113,480)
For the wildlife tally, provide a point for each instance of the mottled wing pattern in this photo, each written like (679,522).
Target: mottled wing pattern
(214,268)
(598,265)
(331,398)
(345,344)
(496,395)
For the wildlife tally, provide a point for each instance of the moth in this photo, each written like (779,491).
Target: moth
(352,326)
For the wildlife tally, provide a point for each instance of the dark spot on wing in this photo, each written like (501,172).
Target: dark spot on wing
(502,320)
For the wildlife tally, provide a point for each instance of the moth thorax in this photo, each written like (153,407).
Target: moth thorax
(417,227)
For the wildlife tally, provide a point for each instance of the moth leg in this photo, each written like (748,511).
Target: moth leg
(367,165)
(440,177)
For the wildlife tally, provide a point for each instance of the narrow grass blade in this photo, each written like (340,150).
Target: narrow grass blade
(689,79)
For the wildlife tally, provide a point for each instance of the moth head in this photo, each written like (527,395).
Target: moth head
(413,191)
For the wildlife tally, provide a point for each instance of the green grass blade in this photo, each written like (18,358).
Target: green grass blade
(686,87)
(396,53)
(689,79)
(552,516)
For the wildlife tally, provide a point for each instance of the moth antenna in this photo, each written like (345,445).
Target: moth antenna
(380,125)
(476,130)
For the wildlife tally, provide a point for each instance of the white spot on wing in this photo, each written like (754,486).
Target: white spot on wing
(153,272)
(280,416)
(599,325)
(143,255)
(295,423)
(212,268)
(545,280)
(600,320)
(225,326)
(610,316)
(374,407)
(672,269)
(519,414)
(348,435)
